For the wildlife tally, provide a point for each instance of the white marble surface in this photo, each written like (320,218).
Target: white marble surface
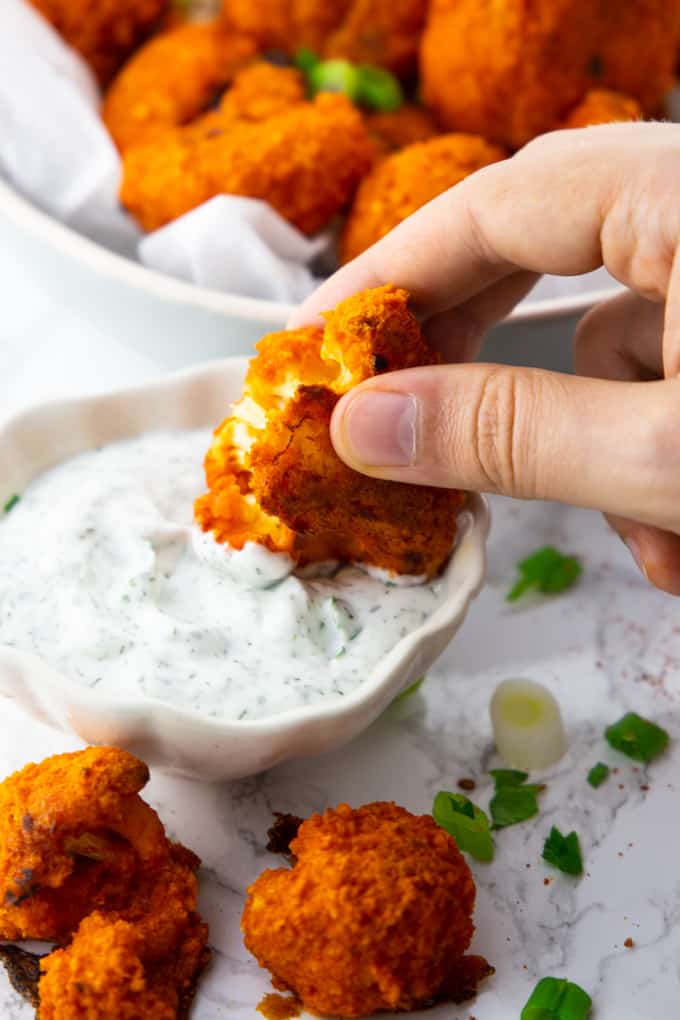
(608,646)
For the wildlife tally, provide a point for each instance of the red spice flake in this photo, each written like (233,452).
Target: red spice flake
(629,944)
(279,1007)
(547,881)
(466,784)
(621,786)
(644,788)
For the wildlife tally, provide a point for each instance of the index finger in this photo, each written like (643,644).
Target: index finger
(542,210)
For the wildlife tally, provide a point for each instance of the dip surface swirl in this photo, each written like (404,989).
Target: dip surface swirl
(104,575)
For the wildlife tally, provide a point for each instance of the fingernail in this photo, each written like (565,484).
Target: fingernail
(379,429)
(634,550)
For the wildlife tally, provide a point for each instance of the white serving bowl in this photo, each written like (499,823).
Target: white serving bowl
(175,322)
(180,740)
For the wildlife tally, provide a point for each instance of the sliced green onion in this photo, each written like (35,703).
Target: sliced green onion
(563,852)
(637,737)
(379,89)
(467,823)
(11,503)
(334,76)
(557,999)
(409,691)
(547,571)
(527,725)
(305,60)
(598,774)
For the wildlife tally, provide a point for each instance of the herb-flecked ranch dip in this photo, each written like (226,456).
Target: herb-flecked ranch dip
(104,575)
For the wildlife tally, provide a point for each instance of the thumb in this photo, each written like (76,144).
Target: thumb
(614,446)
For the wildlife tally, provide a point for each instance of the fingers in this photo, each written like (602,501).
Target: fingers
(621,339)
(565,204)
(656,552)
(520,432)
(457,333)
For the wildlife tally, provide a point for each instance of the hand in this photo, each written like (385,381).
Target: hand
(607,438)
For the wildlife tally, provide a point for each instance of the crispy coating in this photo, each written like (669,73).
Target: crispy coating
(383,32)
(111,971)
(306,162)
(272,472)
(104,32)
(400,128)
(402,183)
(512,70)
(171,80)
(375,914)
(601,106)
(75,835)
(261,91)
(82,853)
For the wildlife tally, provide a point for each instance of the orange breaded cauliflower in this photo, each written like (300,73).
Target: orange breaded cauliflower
(601,106)
(512,70)
(104,32)
(382,32)
(399,128)
(84,862)
(376,913)
(171,80)
(306,162)
(77,837)
(272,472)
(111,971)
(405,181)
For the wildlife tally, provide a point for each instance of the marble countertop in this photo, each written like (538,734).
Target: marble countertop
(608,646)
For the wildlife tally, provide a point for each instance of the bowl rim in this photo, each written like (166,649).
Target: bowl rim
(67,241)
(171,390)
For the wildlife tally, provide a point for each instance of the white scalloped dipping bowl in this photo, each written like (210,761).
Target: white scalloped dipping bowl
(180,740)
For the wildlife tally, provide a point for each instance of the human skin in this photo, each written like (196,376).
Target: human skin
(606,438)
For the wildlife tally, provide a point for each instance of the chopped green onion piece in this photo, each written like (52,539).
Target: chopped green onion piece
(563,852)
(508,777)
(513,804)
(11,503)
(410,690)
(467,823)
(379,89)
(334,76)
(637,737)
(305,60)
(598,774)
(557,999)
(547,571)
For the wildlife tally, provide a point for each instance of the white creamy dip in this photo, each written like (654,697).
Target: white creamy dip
(104,575)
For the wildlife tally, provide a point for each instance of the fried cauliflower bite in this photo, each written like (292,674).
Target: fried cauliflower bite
(75,836)
(382,32)
(273,475)
(512,70)
(402,183)
(110,971)
(306,162)
(104,32)
(171,80)
(376,913)
(601,106)
(399,128)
